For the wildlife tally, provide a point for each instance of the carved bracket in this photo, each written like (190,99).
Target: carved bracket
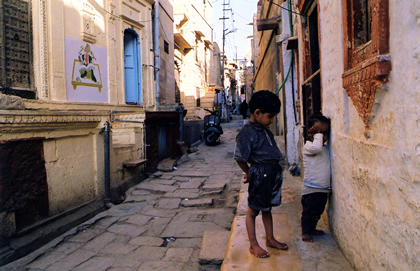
(362,84)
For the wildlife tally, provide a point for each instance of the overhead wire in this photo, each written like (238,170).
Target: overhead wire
(288,9)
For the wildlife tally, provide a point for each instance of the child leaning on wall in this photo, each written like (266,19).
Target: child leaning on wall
(258,156)
(317,178)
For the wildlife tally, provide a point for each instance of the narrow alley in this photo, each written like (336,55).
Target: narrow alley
(182,220)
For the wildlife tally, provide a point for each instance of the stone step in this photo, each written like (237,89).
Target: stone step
(210,187)
(134,163)
(213,247)
(167,165)
(196,202)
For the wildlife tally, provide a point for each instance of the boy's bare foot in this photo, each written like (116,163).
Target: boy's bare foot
(276,244)
(307,238)
(259,252)
(318,232)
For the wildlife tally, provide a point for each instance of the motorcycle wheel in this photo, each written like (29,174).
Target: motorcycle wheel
(210,139)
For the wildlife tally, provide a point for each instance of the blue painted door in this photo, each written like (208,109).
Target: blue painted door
(132,70)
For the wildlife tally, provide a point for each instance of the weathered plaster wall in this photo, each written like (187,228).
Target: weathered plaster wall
(376,195)
(70,172)
(289,89)
(167,79)
(266,74)
(196,63)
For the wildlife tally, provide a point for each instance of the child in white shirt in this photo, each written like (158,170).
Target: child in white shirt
(317,178)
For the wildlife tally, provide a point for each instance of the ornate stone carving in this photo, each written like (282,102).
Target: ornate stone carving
(11,102)
(88,23)
(44,89)
(128,117)
(21,121)
(361,84)
(112,12)
(367,66)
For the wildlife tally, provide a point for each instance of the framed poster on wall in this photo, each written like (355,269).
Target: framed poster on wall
(86,72)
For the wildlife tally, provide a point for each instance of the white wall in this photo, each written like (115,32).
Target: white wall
(375,202)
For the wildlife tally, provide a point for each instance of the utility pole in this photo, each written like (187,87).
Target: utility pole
(223,113)
(223,38)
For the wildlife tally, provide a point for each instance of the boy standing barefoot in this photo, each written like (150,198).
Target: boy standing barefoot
(255,145)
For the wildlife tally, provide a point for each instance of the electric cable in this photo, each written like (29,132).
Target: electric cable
(288,9)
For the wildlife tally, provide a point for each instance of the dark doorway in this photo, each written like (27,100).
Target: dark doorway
(162,132)
(23,181)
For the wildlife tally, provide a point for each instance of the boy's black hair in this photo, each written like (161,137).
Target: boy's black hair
(318,118)
(266,101)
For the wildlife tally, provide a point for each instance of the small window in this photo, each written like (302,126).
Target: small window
(362,22)
(166,46)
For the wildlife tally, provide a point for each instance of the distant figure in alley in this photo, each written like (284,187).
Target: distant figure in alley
(255,145)
(243,109)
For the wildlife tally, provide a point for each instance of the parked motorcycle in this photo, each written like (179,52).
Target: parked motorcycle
(212,128)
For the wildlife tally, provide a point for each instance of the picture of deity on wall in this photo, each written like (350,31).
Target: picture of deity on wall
(86,71)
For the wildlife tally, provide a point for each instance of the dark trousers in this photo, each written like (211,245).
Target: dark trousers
(313,206)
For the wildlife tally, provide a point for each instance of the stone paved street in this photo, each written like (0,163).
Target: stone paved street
(200,195)
(161,224)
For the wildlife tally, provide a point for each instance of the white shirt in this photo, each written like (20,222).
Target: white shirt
(317,165)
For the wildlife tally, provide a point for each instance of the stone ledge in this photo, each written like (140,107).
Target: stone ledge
(134,163)
(213,247)
(30,120)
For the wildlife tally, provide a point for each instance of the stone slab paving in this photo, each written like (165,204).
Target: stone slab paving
(195,223)
(159,188)
(154,228)
(208,187)
(214,247)
(238,255)
(196,202)
(323,254)
(183,194)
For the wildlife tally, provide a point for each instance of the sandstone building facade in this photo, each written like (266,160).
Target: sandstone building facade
(77,66)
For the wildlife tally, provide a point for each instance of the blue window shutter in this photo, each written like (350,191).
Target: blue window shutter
(139,96)
(130,68)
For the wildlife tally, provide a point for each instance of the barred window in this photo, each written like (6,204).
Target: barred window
(16,74)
